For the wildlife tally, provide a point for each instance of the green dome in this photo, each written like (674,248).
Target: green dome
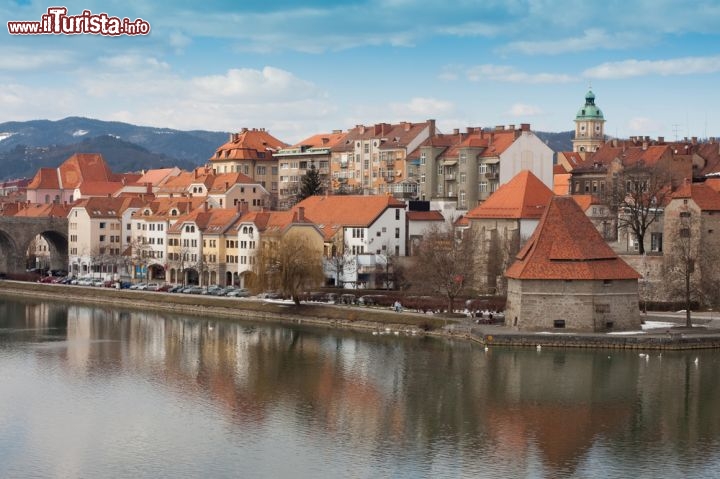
(590,111)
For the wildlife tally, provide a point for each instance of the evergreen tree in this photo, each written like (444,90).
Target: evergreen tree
(311,183)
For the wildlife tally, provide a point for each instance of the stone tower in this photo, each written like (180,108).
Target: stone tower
(589,126)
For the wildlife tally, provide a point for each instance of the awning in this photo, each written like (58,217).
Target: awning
(449,162)
(492,161)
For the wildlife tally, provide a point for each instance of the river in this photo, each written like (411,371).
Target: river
(92,392)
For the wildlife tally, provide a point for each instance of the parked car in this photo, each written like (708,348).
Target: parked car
(139,286)
(193,290)
(238,293)
(151,287)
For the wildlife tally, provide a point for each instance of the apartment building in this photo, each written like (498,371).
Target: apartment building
(252,153)
(295,161)
(374,159)
(466,168)
(97,238)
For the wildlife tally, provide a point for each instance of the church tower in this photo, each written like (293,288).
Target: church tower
(589,126)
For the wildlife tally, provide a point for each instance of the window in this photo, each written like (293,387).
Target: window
(684,232)
(397,213)
(102,238)
(102,225)
(397,232)
(656,242)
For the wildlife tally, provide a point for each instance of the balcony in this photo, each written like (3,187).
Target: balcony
(491,175)
(450,177)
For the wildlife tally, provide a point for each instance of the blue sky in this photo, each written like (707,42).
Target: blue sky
(300,68)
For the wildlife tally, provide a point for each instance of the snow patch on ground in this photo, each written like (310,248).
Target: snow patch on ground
(657,325)
(79,132)
(626,333)
(5,135)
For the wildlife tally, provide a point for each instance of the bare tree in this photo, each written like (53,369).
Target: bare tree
(339,265)
(637,196)
(289,265)
(443,264)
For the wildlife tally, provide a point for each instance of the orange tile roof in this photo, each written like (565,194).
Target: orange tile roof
(222,182)
(461,222)
(156,177)
(103,207)
(572,158)
(160,208)
(99,188)
(42,210)
(208,220)
(585,201)
(559,170)
(566,246)
(713,183)
(321,140)
(255,144)
(346,210)
(702,194)
(45,179)
(433,215)
(83,167)
(628,155)
(524,196)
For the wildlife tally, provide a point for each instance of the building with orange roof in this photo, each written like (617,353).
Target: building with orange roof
(197,246)
(692,229)
(252,153)
(369,229)
(58,185)
(419,223)
(256,230)
(375,159)
(502,223)
(561,180)
(599,213)
(466,168)
(567,277)
(97,236)
(221,189)
(294,162)
(147,235)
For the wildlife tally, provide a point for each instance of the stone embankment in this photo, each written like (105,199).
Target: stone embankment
(378,321)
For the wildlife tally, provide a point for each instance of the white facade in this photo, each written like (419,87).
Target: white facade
(527,152)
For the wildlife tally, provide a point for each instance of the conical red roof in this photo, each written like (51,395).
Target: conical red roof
(567,246)
(524,196)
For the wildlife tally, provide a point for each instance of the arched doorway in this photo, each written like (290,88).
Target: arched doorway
(156,272)
(192,276)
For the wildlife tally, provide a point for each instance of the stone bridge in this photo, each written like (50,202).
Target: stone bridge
(16,234)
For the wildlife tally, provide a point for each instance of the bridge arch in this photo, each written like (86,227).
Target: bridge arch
(17,234)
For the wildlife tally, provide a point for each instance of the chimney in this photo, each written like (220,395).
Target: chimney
(301,213)
(645,144)
(525,126)
(456,131)
(469,130)
(407,126)
(500,128)
(431,124)
(511,127)
(694,140)
(661,139)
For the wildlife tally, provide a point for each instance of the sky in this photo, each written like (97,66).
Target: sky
(297,68)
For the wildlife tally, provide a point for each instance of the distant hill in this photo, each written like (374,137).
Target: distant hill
(27,146)
(561,141)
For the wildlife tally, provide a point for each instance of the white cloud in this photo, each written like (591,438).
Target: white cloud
(591,39)
(522,110)
(249,84)
(635,68)
(25,59)
(645,126)
(506,73)
(422,108)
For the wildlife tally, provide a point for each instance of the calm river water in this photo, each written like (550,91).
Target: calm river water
(95,393)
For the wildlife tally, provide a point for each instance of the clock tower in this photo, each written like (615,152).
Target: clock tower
(589,127)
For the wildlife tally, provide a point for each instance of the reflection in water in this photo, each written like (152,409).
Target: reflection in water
(159,395)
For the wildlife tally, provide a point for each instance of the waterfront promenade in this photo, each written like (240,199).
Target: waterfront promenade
(664,330)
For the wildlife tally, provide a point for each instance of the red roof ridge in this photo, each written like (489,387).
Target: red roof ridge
(566,246)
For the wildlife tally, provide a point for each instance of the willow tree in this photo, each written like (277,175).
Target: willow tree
(289,265)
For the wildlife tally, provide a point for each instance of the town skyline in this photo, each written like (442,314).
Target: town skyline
(300,69)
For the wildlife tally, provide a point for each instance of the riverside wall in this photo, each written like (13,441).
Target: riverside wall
(329,316)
